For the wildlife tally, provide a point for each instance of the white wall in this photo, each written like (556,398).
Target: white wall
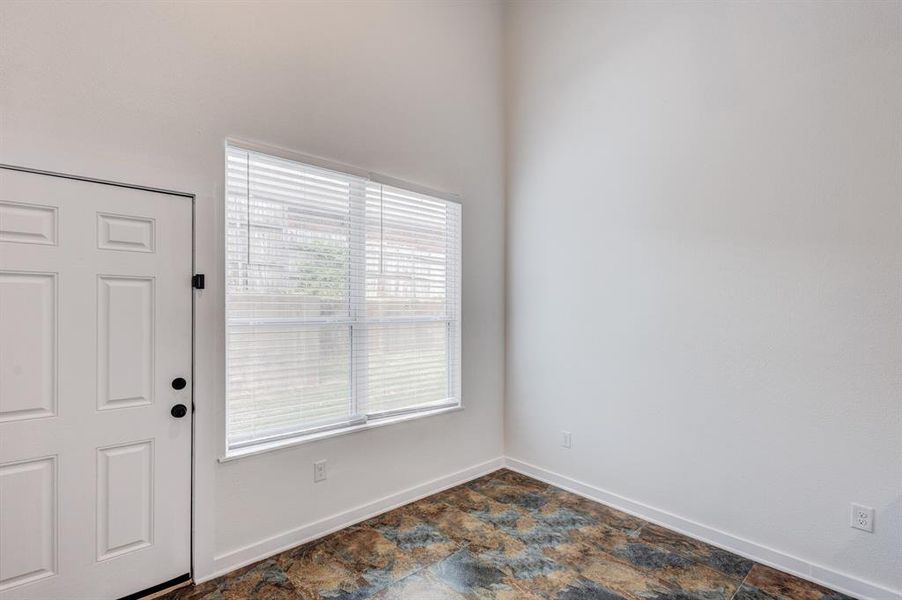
(147,92)
(705,264)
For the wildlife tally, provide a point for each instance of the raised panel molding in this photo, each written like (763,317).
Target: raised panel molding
(119,232)
(28,344)
(28,223)
(28,521)
(125,347)
(124,498)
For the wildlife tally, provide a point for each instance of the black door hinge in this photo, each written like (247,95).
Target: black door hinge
(198,281)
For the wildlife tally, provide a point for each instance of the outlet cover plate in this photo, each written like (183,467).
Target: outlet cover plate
(566,439)
(863,518)
(319,471)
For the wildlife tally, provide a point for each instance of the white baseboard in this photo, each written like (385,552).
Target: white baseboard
(779,560)
(235,559)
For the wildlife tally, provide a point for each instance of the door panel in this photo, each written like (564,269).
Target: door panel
(29,499)
(28,345)
(95,322)
(132,234)
(125,358)
(124,499)
(27,223)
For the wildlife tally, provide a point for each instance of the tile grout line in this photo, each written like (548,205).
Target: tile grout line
(742,583)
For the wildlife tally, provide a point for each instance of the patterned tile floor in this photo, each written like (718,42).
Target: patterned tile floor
(506,536)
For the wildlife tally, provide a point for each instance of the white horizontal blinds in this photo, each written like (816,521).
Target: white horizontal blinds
(289,238)
(412,258)
(342,299)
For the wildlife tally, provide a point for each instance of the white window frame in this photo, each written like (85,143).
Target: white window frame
(358,281)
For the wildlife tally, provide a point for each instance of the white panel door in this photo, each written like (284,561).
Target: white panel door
(95,324)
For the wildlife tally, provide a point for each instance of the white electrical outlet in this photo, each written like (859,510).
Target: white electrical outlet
(566,439)
(863,518)
(319,471)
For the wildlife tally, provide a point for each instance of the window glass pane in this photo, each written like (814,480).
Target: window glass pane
(289,239)
(286,379)
(288,295)
(408,365)
(407,252)
(342,299)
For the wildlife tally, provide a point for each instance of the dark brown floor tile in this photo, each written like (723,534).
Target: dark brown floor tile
(316,572)
(422,541)
(602,537)
(585,589)
(477,533)
(522,563)
(698,581)
(462,497)
(620,578)
(472,577)
(782,586)
(564,516)
(750,592)
(480,506)
(601,513)
(192,592)
(548,585)
(524,494)
(536,533)
(385,556)
(480,480)
(419,586)
(468,499)
(515,478)
(393,517)
(264,580)
(572,555)
(545,526)
(716,558)
(677,570)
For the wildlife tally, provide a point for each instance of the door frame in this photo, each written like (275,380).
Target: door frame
(178,581)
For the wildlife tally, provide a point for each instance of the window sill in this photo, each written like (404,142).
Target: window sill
(315,437)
